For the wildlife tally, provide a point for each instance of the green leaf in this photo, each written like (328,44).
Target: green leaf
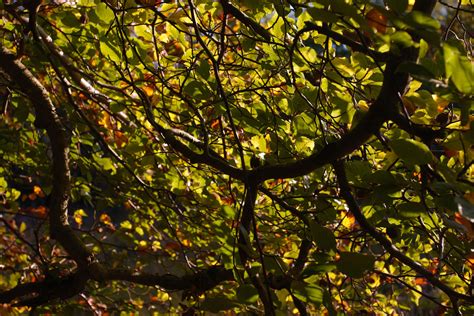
(203,69)
(110,52)
(357,172)
(307,292)
(104,14)
(354,264)
(411,151)
(304,144)
(423,25)
(259,142)
(322,236)
(247,294)
(459,68)
(417,19)
(126,225)
(70,20)
(341,7)
(106,163)
(116,107)
(196,89)
(228,212)
(402,38)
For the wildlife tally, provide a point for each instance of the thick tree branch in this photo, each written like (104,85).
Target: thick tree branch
(426,133)
(52,288)
(384,107)
(47,118)
(246,220)
(198,282)
(169,135)
(245,247)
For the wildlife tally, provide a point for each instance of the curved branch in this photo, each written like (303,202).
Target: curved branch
(389,247)
(47,118)
(384,107)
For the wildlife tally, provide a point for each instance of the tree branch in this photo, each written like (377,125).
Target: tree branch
(356,46)
(47,118)
(246,20)
(51,288)
(198,282)
(346,194)
(384,107)
(245,221)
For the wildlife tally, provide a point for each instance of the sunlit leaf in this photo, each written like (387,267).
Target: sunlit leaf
(411,151)
(459,68)
(307,292)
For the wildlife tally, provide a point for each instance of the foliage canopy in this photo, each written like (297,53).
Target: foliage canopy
(248,156)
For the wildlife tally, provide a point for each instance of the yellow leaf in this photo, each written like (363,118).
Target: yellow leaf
(38,191)
(348,220)
(186,242)
(148,90)
(105,218)
(78,215)
(105,121)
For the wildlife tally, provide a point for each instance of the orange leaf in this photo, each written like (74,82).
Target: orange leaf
(148,90)
(440,102)
(378,21)
(421,281)
(215,124)
(172,245)
(458,218)
(38,191)
(40,211)
(470,260)
(120,139)
(174,48)
(450,152)
(228,200)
